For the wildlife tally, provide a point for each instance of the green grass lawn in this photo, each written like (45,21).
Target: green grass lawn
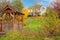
(33,23)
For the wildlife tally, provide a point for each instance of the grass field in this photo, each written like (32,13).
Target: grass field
(33,23)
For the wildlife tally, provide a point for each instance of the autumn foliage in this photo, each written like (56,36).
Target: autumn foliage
(56,6)
(26,12)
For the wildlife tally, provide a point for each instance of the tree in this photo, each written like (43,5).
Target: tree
(2,3)
(56,6)
(18,4)
(50,24)
(26,12)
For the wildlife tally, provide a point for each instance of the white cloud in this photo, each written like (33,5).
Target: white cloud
(41,3)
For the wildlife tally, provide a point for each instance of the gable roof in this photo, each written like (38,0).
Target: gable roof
(8,5)
(10,9)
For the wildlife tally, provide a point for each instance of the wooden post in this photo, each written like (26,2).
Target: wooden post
(18,24)
(22,22)
(1,27)
(13,21)
(2,22)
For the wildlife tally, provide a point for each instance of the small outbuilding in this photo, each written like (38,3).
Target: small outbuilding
(11,19)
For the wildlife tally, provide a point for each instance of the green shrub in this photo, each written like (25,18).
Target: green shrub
(51,25)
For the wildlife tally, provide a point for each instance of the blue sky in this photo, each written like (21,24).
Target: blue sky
(28,3)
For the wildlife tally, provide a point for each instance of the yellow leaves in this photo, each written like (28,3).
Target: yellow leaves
(26,12)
